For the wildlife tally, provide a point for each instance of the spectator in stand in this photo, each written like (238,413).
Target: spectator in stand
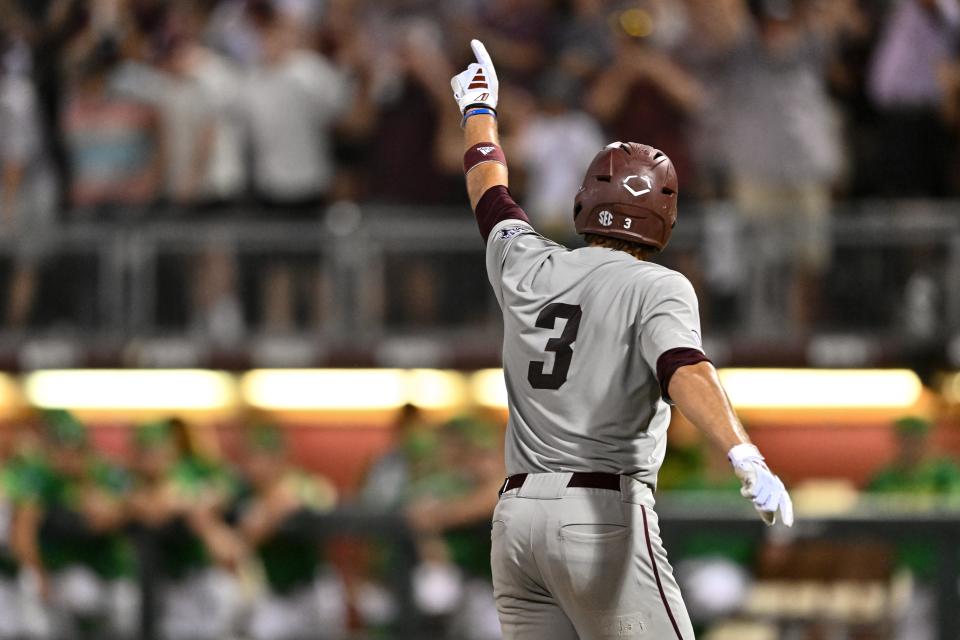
(555,144)
(223,176)
(644,94)
(180,497)
(518,30)
(186,111)
(717,29)
(908,88)
(216,308)
(195,92)
(302,598)
(68,536)
(582,38)
(28,189)
(782,141)
(293,167)
(49,27)
(113,141)
(411,114)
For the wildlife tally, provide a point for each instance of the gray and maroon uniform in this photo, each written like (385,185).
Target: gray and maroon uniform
(591,339)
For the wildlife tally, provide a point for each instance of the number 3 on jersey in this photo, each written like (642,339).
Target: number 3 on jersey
(559,346)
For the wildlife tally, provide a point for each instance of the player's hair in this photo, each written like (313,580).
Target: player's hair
(637,250)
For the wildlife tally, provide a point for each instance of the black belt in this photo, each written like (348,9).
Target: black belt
(585,479)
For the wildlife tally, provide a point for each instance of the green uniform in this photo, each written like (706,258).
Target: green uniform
(11,623)
(936,477)
(939,477)
(199,599)
(291,558)
(90,571)
(303,600)
(65,537)
(181,550)
(15,478)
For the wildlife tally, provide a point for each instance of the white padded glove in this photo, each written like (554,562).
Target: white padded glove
(478,85)
(760,485)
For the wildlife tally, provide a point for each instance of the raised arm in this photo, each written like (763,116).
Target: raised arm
(475,91)
(484,163)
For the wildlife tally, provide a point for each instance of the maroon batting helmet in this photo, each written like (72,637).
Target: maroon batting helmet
(630,193)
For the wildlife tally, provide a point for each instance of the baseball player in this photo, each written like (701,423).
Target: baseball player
(598,342)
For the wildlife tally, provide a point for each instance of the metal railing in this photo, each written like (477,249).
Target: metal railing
(390,271)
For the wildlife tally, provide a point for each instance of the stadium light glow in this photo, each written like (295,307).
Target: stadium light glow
(131,389)
(305,389)
(822,388)
(351,389)
(950,388)
(388,389)
(489,389)
(776,388)
(10,395)
(435,388)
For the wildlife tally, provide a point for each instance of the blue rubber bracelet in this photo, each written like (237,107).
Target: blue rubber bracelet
(477,111)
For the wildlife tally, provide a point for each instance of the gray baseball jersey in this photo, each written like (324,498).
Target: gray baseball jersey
(584,330)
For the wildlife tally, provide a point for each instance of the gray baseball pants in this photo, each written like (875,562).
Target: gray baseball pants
(583,564)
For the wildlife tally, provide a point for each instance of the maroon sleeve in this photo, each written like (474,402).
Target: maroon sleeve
(495,206)
(671,360)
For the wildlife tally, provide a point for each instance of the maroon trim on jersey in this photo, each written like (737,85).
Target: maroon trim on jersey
(495,206)
(656,575)
(671,360)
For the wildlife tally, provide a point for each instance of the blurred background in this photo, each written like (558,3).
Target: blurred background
(249,354)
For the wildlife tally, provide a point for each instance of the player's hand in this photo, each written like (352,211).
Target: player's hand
(760,485)
(478,85)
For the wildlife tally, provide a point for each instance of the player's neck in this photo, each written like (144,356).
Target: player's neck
(636,251)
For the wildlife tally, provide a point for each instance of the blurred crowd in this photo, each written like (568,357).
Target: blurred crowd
(230,541)
(184,109)
(231,529)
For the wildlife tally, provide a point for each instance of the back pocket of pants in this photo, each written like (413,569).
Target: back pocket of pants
(596,560)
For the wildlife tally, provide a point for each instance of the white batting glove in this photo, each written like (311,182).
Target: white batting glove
(478,85)
(760,485)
